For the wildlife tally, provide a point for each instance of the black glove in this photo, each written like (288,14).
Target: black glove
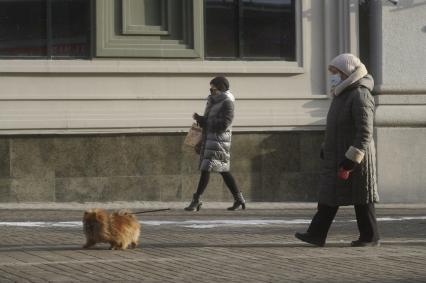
(348,164)
(196,117)
(199,119)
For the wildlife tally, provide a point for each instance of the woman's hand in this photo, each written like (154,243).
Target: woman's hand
(200,119)
(347,164)
(196,117)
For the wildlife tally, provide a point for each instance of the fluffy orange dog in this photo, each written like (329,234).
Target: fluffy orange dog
(119,229)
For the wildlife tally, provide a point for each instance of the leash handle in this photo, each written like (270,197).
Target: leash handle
(155,210)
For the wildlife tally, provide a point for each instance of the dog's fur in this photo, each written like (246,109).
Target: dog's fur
(119,229)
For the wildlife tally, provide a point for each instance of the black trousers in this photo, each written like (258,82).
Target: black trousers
(227,178)
(365,217)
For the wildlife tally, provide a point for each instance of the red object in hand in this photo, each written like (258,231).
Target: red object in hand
(343,174)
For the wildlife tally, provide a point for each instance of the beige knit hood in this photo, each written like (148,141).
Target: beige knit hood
(351,66)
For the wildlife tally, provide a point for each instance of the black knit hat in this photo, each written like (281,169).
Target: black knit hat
(221,83)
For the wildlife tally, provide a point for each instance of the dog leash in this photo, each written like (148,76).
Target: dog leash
(146,211)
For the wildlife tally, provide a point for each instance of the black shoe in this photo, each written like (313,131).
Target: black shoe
(238,201)
(308,238)
(359,243)
(195,204)
(237,204)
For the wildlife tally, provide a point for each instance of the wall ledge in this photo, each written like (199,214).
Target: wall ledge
(160,66)
(400,116)
(418,88)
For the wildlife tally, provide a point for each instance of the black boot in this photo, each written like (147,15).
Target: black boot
(238,201)
(195,204)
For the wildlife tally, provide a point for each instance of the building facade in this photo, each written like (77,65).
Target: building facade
(97,95)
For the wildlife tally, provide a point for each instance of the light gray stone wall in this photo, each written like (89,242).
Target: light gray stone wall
(401,167)
(398,63)
(267,167)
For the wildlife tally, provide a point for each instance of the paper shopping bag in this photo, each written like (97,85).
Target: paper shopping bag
(194,135)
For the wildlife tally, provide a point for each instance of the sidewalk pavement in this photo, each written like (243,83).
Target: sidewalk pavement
(42,243)
(178,205)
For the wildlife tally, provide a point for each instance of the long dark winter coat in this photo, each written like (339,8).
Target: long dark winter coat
(216,123)
(349,133)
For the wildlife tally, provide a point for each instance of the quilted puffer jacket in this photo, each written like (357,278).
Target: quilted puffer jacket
(216,142)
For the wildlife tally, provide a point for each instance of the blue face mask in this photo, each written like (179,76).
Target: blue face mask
(335,80)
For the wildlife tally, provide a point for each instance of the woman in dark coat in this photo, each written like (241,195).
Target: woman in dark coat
(216,142)
(348,146)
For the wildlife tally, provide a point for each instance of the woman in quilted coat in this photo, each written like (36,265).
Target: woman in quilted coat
(216,142)
(348,148)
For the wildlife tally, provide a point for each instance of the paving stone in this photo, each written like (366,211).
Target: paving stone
(197,251)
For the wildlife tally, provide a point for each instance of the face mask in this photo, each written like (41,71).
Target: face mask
(335,80)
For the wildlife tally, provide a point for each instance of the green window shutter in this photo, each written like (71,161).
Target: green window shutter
(149,28)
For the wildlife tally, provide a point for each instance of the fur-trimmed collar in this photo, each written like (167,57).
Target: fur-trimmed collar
(222,96)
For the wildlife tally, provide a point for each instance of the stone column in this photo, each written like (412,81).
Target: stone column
(398,64)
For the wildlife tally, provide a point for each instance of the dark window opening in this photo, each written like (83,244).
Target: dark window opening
(250,29)
(54,29)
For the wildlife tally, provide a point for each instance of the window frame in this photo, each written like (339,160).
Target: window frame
(49,56)
(113,44)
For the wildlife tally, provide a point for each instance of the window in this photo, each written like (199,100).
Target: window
(45,29)
(250,29)
(233,29)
